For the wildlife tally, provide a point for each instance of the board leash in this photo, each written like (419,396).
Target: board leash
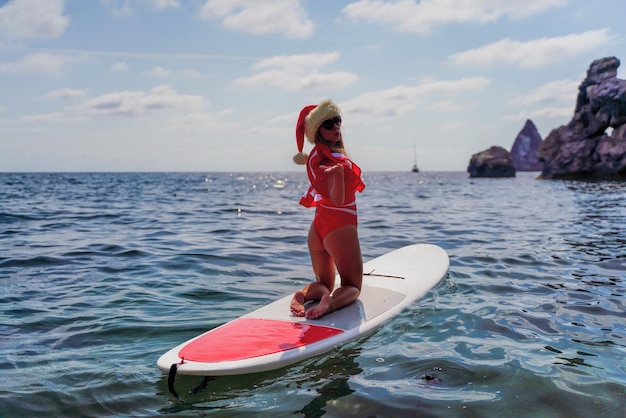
(371,273)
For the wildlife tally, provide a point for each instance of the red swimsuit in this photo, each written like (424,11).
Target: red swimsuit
(329,216)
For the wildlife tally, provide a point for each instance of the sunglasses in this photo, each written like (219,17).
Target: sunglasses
(330,123)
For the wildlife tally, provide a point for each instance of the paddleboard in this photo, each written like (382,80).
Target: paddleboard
(271,337)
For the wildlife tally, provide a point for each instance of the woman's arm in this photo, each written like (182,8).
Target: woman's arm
(336,184)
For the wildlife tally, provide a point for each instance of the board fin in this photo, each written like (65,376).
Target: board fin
(170,380)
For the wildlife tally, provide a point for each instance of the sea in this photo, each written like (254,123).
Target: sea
(101,273)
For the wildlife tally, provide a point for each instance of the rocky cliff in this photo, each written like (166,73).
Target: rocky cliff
(593,144)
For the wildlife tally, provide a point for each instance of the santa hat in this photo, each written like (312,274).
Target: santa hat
(309,121)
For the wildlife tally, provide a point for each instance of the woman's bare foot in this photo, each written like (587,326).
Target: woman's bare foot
(324,307)
(297,304)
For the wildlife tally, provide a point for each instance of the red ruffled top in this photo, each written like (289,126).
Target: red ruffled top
(318,192)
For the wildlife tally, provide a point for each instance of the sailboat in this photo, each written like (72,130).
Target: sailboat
(415,169)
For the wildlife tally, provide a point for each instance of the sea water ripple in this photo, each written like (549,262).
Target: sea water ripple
(101,273)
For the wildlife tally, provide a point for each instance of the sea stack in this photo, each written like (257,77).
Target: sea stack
(525,147)
(493,162)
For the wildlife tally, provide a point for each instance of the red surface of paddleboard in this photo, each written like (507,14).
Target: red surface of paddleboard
(253,337)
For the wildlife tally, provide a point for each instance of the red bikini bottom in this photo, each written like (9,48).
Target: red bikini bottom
(329,219)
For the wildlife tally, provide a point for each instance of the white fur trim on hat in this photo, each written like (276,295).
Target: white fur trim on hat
(325,110)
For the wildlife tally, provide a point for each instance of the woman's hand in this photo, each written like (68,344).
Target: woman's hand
(333,169)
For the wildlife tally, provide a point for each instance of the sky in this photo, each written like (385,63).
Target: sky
(217,85)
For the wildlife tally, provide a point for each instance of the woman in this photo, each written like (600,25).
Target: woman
(333,240)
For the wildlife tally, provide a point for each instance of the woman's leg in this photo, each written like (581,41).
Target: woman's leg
(321,261)
(324,269)
(342,246)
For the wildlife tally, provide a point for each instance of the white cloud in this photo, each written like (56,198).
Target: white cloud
(33,19)
(422,16)
(38,63)
(200,121)
(554,100)
(189,73)
(295,81)
(399,100)
(300,61)
(453,125)
(563,113)
(260,17)
(446,106)
(164,4)
(119,67)
(139,103)
(55,117)
(558,91)
(128,7)
(64,94)
(160,72)
(298,73)
(535,53)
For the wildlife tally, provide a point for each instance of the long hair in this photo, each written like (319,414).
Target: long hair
(335,147)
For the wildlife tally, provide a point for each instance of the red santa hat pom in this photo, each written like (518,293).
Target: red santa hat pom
(301,157)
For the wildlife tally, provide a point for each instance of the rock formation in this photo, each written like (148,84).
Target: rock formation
(493,162)
(593,144)
(524,150)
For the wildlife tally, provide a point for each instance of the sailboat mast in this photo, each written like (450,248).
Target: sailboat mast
(415,169)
